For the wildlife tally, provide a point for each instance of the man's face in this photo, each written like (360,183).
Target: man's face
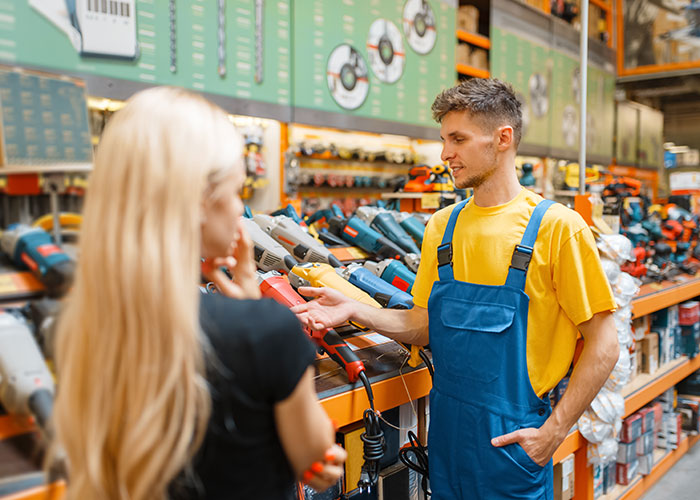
(468,148)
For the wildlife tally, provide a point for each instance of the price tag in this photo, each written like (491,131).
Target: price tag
(430,200)
(7,284)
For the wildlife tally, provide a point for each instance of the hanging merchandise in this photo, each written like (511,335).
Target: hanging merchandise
(602,420)
(254,161)
(348,80)
(385,50)
(419,25)
(259,47)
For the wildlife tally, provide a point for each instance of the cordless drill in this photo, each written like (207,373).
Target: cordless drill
(32,248)
(26,385)
(275,286)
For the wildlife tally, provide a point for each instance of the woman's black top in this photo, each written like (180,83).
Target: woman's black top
(258,353)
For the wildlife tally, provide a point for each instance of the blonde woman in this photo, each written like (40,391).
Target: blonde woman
(163,393)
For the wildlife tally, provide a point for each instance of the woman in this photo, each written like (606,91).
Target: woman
(149,372)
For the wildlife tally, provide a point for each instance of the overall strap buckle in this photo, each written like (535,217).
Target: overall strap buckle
(444,254)
(521,257)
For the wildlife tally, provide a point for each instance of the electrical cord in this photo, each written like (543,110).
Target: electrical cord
(419,463)
(428,363)
(373,450)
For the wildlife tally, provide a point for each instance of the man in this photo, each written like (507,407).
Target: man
(501,308)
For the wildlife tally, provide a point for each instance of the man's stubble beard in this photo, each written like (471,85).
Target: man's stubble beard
(477,180)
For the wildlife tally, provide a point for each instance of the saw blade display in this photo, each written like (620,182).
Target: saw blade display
(569,125)
(348,80)
(385,50)
(539,95)
(419,25)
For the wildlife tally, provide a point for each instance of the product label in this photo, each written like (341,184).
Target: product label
(352,232)
(48,249)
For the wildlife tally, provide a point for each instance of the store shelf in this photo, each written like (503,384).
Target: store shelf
(347,407)
(644,387)
(463,69)
(655,296)
(663,461)
(418,196)
(474,39)
(639,392)
(46,169)
(337,162)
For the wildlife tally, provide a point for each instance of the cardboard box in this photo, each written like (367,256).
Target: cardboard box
(658,410)
(627,452)
(564,479)
(646,462)
(462,53)
(650,353)
(689,409)
(647,419)
(689,313)
(479,58)
(468,18)
(640,327)
(631,428)
(645,444)
(627,472)
(609,477)
(597,480)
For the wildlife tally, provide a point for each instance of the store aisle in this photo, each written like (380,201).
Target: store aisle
(682,482)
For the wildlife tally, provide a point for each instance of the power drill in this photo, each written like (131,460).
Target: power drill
(297,241)
(411,225)
(384,222)
(32,248)
(275,286)
(269,255)
(26,385)
(385,293)
(394,272)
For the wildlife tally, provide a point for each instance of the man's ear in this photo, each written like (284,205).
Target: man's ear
(505,137)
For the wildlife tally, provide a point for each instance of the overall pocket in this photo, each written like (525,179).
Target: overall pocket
(474,337)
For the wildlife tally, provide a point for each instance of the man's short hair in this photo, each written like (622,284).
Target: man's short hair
(489,100)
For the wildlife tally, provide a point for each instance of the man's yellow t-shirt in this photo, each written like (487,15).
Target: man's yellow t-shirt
(565,281)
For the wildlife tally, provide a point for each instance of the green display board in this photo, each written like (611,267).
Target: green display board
(374,59)
(236,48)
(651,131)
(627,129)
(547,82)
(43,119)
(527,66)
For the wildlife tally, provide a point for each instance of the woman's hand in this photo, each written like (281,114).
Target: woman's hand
(323,475)
(240,264)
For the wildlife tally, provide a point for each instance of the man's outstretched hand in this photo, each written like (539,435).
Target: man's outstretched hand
(329,308)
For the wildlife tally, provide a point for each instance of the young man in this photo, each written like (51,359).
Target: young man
(505,284)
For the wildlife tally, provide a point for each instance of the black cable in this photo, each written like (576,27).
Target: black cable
(419,463)
(368,388)
(373,450)
(428,363)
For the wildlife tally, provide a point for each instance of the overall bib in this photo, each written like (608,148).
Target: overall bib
(481,389)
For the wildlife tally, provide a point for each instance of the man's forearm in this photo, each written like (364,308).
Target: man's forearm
(600,353)
(405,325)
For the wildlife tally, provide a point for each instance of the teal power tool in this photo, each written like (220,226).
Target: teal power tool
(386,294)
(384,222)
(394,272)
(290,212)
(32,248)
(356,232)
(411,225)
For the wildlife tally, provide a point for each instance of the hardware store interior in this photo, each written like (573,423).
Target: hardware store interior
(474,289)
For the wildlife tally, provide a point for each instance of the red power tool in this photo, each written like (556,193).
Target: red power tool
(275,286)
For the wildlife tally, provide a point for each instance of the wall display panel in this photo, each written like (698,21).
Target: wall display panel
(382,59)
(627,134)
(651,131)
(235,48)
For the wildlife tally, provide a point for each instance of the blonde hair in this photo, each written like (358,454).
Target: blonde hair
(132,405)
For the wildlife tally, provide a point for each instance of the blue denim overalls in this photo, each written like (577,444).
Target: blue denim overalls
(478,335)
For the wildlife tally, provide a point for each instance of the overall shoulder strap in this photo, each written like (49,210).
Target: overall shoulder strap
(444,250)
(520,261)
